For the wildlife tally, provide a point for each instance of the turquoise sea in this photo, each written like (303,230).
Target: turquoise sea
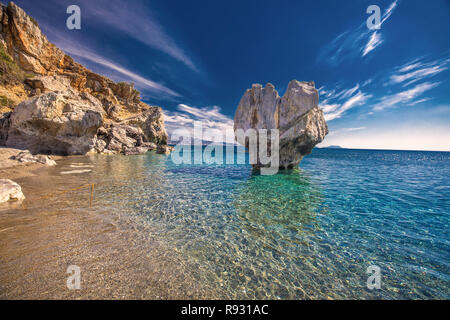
(309,233)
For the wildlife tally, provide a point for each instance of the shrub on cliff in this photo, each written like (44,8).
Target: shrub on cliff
(10,72)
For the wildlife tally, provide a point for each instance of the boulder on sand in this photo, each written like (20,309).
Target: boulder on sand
(10,191)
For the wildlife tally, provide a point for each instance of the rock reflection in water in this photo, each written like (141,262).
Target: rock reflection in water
(283,205)
(278,216)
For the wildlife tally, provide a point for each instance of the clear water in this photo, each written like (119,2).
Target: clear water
(309,233)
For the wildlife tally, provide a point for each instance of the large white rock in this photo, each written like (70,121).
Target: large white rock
(10,191)
(60,123)
(296,115)
(54,83)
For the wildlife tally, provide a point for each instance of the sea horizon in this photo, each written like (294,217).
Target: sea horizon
(340,148)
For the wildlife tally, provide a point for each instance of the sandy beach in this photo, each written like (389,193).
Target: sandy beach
(51,230)
(13,169)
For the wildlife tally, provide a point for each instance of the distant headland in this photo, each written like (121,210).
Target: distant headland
(332,147)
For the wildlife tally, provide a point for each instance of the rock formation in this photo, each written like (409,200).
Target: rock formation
(296,115)
(62,123)
(164,150)
(10,191)
(27,157)
(4,126)
(68,109)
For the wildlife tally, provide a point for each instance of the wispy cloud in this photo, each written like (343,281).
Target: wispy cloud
(418,70)
(374,41)
(419,101)
(210,117)
(358,42)
(213,114)
(367,82)
(387,14)
(345,130)
(344,94)
(137,79)
(336,102)
(404,97)
(89,54)
(335,105)
(138,22)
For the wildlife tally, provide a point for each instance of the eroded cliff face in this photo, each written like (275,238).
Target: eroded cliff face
(296,115)
(48,100)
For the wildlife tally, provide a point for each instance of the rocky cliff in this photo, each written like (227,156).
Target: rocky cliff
(49,103)
(296,115)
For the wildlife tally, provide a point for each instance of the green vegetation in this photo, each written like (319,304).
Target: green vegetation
(5,102)
(34,21)
(4,56)
(10,72)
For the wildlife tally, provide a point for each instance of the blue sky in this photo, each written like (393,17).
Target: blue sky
(383,89)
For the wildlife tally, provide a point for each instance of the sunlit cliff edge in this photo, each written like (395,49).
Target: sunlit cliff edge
(51,104)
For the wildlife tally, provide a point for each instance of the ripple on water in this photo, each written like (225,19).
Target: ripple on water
(308,233)
(76,171)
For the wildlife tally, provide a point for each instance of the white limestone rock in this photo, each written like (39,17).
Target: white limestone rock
(10,191)
(296,115)
(59,123)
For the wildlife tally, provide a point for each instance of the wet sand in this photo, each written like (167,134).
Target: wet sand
(13,169)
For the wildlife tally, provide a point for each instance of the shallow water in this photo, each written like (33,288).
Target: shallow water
(160,230)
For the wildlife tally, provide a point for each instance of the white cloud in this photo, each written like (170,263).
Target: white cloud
(345,130)
(358,42)
(336,104)
(387,14)
(344,94)
(419,101)
(333,106)
(206,114)
(404,97)
(336,110)
(329,108)
(88,54)
(410,67)
(138,22)
(211,118)
(355,129)
(137,79)
(374,41)
(367,82)
(416,71)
